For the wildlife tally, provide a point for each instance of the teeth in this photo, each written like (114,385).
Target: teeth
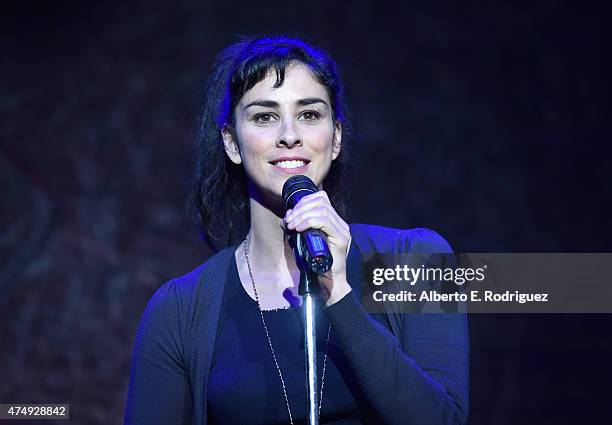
(290,164)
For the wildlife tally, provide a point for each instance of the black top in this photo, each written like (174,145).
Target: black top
(244,384)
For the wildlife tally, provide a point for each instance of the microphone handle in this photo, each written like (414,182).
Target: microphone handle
(315,251)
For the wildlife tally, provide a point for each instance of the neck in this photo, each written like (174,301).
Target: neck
(268,245)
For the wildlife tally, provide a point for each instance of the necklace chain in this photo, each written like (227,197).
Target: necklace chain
(280,374)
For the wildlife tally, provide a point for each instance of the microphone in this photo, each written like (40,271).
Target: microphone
(312,244)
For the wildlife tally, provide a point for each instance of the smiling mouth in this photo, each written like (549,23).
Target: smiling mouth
(290,164)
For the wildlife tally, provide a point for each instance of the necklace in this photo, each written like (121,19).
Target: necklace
(263,320)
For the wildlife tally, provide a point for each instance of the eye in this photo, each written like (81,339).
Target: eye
(310,115)
(263,118)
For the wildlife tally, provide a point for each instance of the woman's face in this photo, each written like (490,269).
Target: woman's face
(280,132)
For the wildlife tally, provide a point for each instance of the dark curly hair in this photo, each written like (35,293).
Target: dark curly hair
(218,200)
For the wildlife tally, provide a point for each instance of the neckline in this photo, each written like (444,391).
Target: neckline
(245,295)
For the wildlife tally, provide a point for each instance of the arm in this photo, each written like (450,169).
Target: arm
(418,377)
(422,383)
(159,391)
(420,380)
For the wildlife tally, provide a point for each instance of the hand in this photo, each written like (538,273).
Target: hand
(316,212)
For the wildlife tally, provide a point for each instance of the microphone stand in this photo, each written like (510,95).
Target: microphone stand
(308,288)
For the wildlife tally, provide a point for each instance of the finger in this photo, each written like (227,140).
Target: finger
(305,205)
(299,220)
(320,223)
(316,207)
(332,225)
(316,197)
(308,211)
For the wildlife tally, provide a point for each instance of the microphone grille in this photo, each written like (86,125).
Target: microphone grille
(294,184)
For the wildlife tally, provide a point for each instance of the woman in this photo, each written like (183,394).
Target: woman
(222,344)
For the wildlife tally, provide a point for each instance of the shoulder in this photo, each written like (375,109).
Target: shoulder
(181,289)
(184,306)
(371,238)
(421,239)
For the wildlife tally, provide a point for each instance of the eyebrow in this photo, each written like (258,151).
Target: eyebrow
(273,104)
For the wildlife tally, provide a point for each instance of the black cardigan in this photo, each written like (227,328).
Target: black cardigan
(415,374)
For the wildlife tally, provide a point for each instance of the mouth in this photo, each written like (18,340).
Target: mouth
(290,165)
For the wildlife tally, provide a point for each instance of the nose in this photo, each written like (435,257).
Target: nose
(288,135)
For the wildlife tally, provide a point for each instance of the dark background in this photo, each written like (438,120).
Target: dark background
(488,122)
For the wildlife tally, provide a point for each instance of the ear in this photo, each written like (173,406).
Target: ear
(337,142)
(230,143)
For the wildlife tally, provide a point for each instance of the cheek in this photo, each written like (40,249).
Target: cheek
(253,141)
(321,138)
